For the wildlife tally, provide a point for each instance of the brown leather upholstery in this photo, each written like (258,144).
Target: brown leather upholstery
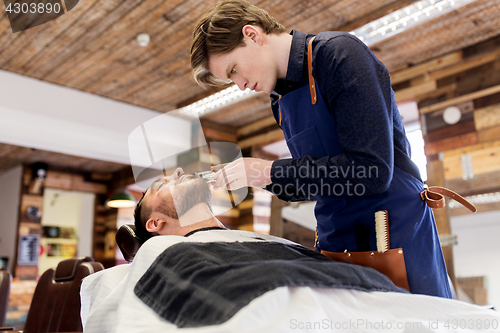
(127,241)
(5,279)
(56,303)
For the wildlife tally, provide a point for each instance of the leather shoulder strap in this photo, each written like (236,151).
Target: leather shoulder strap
(312,87)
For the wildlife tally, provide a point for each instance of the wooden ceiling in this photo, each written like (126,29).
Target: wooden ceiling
(12,156)
(93,49)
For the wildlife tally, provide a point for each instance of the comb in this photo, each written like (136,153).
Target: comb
(382,230)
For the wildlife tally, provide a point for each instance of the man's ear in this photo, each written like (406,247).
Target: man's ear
(253,34)
(154,225)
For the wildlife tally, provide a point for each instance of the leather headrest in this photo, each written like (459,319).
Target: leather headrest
(127,241)
(66,269)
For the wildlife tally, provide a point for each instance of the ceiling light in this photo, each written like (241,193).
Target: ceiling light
(452,115)
(406,18)
(216,101)
(143,39)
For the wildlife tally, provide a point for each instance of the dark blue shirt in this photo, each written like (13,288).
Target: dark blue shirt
(356,88)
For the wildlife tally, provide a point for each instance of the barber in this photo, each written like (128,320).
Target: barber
(341,123)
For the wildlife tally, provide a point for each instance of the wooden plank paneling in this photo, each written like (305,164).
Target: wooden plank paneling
(487,117)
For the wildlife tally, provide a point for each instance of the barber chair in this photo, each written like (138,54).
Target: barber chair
(127,241)
(56,302)
(5,279)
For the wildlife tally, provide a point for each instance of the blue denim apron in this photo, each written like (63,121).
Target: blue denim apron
(311,130)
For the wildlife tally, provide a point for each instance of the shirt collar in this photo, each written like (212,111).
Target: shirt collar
(295,70)
(203,229)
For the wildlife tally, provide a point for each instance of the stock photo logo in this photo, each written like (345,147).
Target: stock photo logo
(26,14)
(157,148)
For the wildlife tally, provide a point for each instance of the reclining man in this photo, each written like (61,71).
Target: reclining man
(233,281)
(175,205)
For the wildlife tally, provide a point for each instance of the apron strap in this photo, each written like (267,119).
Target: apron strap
(434,197)
(312,88)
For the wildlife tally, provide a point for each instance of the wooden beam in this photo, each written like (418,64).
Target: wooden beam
(448,91)
(412,93)
(467,64)
(450,131)
(215,135)
(276,221)
(470,149)
(255,126)
(487,117)
(482,183)
(426,67)
(260,153)
(483,161)
(218,132)
(481,208)
(263,139)
(489,134)
(436,147)
(461,99)
(70,182)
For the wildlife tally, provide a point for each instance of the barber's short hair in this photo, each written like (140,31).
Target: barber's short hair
(142,212)
(219,31)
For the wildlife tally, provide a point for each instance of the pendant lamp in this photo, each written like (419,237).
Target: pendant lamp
(121,199)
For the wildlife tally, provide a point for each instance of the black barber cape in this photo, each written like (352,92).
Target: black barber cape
(198,284)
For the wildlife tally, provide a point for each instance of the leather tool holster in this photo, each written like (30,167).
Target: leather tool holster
(392,263)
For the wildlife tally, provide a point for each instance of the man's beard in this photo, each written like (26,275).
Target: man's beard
(185,196)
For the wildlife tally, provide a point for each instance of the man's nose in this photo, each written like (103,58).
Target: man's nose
(177,173)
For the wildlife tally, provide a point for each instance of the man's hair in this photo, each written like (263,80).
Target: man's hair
(142,212)
(219,31)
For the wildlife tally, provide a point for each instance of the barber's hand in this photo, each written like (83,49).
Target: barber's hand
(245,171)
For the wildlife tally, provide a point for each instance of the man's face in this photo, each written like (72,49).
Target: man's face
(250,66)
(175,195)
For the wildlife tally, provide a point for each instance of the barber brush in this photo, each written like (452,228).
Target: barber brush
(207,175)
(382,230)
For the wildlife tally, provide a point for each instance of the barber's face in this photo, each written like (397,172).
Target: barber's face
(250,66)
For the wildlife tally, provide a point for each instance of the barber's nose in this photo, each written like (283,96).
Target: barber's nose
(242,84)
